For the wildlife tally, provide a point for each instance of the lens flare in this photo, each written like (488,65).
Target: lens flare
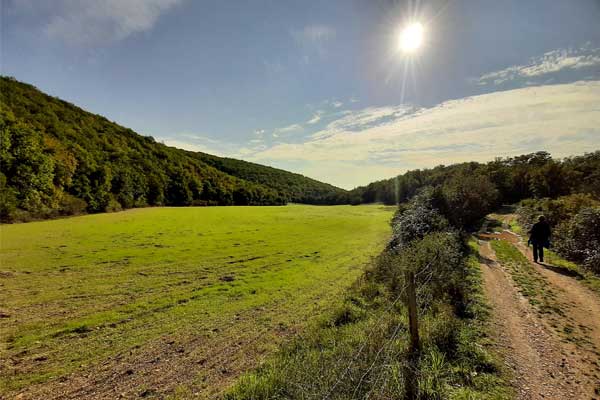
(411,37)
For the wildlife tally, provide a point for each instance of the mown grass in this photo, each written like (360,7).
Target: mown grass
(79,290)
(360,350)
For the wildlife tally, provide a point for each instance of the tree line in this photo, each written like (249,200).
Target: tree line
(472,189)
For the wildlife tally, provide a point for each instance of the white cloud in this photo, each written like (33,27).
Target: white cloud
(286,130)
(563,119)
(95,22)
(315,118)
(362,119)
(550,63)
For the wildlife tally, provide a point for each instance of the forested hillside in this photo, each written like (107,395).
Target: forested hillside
(300,188)
(58,159)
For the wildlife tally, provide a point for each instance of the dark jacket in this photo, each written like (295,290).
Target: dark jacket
(540,234)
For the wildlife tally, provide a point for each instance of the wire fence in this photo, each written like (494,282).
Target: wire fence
(428,273)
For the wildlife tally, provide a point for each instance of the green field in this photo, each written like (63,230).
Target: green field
(80,291)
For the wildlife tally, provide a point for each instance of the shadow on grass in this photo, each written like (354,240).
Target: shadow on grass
(485,260)
(562,270)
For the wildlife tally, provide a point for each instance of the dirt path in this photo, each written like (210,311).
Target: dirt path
(545,364)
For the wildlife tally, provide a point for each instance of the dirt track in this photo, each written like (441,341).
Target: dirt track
(544,364)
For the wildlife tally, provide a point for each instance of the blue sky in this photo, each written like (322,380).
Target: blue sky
(320,88)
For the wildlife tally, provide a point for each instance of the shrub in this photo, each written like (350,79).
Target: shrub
(579,238)
(8,200)
(113,206)
(556,211)
(416,220)
(346,314)
(71,205)
(467,198)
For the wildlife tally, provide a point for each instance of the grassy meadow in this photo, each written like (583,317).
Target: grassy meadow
(78,291)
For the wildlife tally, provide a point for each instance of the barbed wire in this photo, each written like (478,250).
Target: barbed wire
(389,340)
(357,353)
(428,268)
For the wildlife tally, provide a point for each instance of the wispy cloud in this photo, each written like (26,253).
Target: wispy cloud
(552,62)
(563,119)
(286,130)
(359,120)
(315,118)
(94,22)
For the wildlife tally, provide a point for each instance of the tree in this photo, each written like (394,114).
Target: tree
(468,198)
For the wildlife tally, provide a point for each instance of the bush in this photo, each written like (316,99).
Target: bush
(8,201)
(556,211)
(113,206)
(575,220)
(578,239)
(71,205)
(467,198)
(416,220)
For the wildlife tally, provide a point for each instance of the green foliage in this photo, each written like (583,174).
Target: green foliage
(8,199)
(415,220)
(504,180)
(294,187)
(468,197)
(51,150)
(360,350)
(575,220)
(556,211)
(578,239)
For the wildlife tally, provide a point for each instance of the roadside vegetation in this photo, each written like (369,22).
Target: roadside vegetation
(527,214)
(362,350)
(575,220)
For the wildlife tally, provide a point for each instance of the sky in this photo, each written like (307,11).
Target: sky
(322,88)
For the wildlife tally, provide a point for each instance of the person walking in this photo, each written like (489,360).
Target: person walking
(539,237)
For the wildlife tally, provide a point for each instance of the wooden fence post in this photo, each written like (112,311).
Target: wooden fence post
(412,312)
(410,372)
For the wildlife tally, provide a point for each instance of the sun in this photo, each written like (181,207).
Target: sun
(411,37)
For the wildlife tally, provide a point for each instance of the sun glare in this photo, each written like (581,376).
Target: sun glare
(411,37)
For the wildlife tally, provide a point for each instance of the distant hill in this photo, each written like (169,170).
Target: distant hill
(300,188)
(57,159)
